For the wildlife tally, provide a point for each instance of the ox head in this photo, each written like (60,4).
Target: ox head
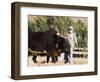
(62,43)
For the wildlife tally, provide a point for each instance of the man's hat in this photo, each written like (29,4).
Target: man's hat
(70,28)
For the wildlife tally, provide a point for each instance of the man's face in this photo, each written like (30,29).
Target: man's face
(70,31)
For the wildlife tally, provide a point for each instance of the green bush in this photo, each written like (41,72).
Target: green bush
(60,24)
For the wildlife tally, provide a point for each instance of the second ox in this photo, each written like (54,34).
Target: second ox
(50,42)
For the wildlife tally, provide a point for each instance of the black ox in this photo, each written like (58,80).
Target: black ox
(50,42)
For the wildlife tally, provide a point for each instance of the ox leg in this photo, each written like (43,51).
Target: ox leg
(34,59)
(51,54)
(66,58)
(56,58)
(53,59)
(48,58)
(29,53)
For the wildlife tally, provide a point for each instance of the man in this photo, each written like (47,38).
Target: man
(72,39)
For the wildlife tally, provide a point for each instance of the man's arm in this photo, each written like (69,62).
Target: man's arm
(75,40)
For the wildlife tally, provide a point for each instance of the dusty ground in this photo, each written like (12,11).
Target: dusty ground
(42,61)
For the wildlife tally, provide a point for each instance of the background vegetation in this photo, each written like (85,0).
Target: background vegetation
(60,24)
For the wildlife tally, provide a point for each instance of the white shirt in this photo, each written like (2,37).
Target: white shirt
(71,37)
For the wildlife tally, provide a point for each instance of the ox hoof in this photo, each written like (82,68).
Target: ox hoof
(34,61)
(66,61)
(54,62)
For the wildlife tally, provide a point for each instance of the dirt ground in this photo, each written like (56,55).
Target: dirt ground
(41,61)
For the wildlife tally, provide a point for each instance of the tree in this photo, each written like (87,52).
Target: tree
(60,24)
(81,32)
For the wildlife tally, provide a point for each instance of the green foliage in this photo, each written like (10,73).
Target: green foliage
(60,24)
(81,32)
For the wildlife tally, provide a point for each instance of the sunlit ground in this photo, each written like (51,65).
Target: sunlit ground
(41,61)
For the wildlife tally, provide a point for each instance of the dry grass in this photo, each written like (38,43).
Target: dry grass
(41,61)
